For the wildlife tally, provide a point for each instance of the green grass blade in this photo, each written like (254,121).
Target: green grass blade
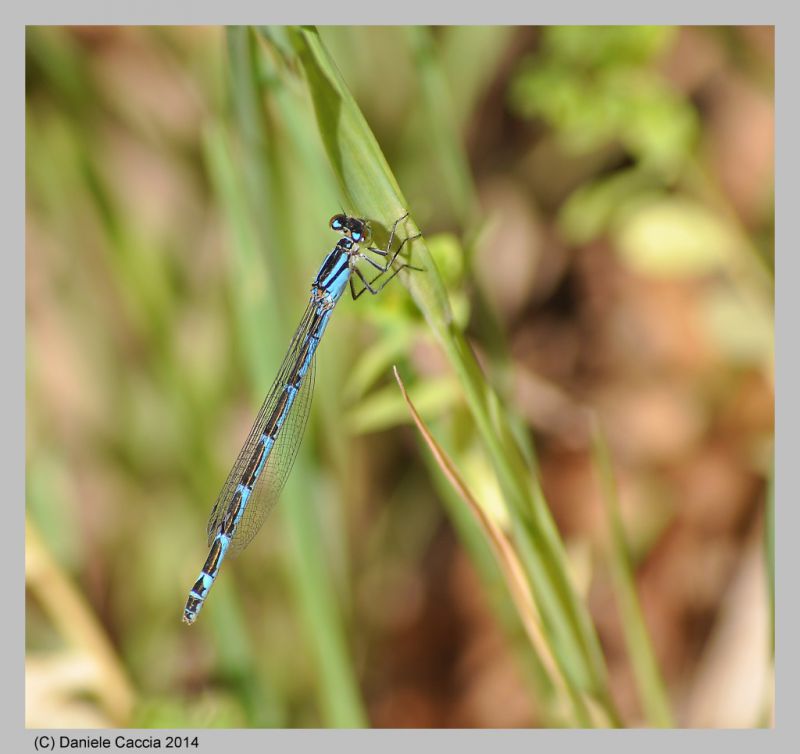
(507,558)
(645,667)
(368,184)
(440,123)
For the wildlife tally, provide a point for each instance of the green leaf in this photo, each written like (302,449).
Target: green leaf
(673,238)
(385,408)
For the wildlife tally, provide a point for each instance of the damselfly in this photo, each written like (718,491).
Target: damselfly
(263,464)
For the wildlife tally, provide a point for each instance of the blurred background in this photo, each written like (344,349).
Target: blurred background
(599,203)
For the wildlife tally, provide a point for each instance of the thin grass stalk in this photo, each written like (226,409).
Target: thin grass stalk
(510,565)
(649,680)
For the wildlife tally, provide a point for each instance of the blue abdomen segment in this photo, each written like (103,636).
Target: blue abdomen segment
(257,477)
(199,591)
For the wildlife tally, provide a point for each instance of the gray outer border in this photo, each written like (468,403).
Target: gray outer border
(346,11)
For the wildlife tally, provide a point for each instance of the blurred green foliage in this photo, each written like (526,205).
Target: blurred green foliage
(594,88)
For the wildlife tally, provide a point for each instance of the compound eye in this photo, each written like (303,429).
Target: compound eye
(337,223)
(357,228)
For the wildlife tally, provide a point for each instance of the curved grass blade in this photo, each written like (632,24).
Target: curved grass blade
(509,563)
(370,187)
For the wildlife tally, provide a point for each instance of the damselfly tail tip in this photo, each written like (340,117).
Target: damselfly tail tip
(190,611)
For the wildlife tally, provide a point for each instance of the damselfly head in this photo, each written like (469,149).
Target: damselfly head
(359,229)
(353,227)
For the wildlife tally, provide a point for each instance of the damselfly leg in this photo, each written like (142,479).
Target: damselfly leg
(389,259)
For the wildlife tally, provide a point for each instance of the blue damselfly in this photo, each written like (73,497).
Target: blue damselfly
(263,464)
